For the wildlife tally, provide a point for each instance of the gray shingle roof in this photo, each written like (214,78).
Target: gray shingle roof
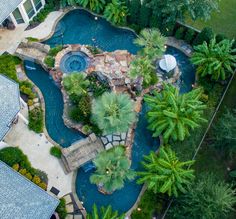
(22,199)
(9,103)
(6,7)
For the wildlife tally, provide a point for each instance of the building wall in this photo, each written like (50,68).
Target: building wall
(24,13)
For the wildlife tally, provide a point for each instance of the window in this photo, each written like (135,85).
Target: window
(37,4)
(17,15)
(29,8)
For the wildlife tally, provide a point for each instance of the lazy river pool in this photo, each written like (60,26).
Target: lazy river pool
(80,27)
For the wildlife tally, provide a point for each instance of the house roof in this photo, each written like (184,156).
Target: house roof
(7,7)
(21,198)
(9,102)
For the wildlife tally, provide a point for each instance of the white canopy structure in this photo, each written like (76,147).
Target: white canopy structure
(168,63)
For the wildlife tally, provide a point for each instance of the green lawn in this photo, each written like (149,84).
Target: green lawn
(221,22)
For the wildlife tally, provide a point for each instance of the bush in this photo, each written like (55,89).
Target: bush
(154,80)
(32,39)
(26,88)
(36,120)
(30,102)
(55,151)
(189,35)
(205,35)
(43,185)
(53,51)
(94,50)
(28,176)
(179,34)
(23,171)
(16,167)
(36,180)
(42,175)
(61,209)
(7,66)
(49,61)
(220,37)
(86,129)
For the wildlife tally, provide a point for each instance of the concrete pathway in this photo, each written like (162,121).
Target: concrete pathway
(37,148)
(45,28)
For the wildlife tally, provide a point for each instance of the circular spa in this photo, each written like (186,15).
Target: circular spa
(74,61)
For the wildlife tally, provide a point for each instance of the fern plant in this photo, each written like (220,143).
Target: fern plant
(173,114)
(164,172)
(113,112)
(93,5)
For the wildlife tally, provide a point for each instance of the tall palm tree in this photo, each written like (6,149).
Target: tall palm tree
(94,5)
(113,112)
(76,83)
(152,43)
(172,114)
(217,60)
(164,172)
(112,169)
(104,213)
(116,12)
(142,66)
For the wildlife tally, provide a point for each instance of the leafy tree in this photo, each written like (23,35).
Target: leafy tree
(105,213)
(164,172)
(142,66)
(223,135)
(144,15)
(116,12)
(206,34)
(153,43)
(113,112)
(76,83)
(172,10)
(216,59)
(134,10)
(172,114)
(94,5)
(112,169)
(207,198)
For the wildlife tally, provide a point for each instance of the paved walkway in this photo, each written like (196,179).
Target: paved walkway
(37,148)
(45,28)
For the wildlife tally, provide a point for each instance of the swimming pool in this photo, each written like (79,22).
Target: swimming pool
(80,27)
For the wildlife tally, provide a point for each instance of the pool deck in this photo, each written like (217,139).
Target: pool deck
(37,148)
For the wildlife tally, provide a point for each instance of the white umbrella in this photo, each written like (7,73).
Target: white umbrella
(168,63)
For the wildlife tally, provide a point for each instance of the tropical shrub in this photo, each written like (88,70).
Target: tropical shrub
(49,61)
(61,209)
(43,185)
(55,151)
(28,176)
(112,169)
(165,173)
(152,43)
(26,88)
(32,39)
(207,198)
(76,83)
(142,66)
(93,5)
(36,180)
(220,37)
(206,35)
(144,15)
(189,35)
(134,10)
(179,34)
(113,112)
(22,171)
(116,12)
(172,114)
(53,51)
(36,120)
(104,213)
(16,166)
(215,60)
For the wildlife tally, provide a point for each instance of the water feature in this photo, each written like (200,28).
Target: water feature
(74,61)
(79,27)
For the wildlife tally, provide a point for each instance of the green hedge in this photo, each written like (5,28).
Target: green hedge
(36,120)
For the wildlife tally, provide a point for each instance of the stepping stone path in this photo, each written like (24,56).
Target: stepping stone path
(110,141)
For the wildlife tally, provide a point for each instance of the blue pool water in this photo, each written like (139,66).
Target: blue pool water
(80,27)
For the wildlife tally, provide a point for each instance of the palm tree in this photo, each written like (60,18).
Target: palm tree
(216,59)
(172,114)
(113,112)
(116,12)
(112,169)
(164,172)
(142,66)
(152,42)
(76,83)
(94,5)
(105,213)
